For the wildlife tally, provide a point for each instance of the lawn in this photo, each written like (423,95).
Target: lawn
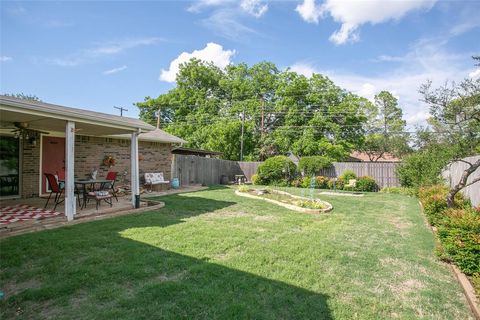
(214,255)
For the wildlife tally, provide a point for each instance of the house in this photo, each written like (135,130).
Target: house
(38,138)
(357,156)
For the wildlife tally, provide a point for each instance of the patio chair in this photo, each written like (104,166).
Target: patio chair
(352,183)
(112,176)
(54,188)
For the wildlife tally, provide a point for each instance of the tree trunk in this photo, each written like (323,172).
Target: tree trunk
(462,183)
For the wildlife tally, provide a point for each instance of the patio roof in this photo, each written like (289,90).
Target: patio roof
(51,117)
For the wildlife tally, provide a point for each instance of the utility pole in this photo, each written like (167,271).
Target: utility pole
(121,110)
(157,114)
(262,121)
(241,137)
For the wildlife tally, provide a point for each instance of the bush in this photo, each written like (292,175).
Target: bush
(297,182)
(338,183)
(366,184)
(399,190)
(321,182)
(306,182)
(459,233)
(434,201)
(347,175)
(278,170)
(243,188)
(255,179)
(312,165)
(423,167)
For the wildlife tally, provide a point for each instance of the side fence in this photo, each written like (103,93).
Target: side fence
(200,170)
(454,172)
(208,171)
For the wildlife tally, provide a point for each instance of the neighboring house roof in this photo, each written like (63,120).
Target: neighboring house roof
(358,156)
(52,117)
(157,135)
(195,152)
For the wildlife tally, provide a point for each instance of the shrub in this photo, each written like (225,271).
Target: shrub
(297,182)
(459,233)
(338,183)
(347,175)
(321,182)
(255,179)
(278,170)
(306,182)
(243,188)
(312,165)
(366,184)
(476,283)
(423,167)
(399,190)
(434,201)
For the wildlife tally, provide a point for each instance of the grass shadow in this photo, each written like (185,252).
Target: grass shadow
(97,270)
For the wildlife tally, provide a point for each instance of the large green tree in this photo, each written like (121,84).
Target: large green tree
(385,128)
(280,111)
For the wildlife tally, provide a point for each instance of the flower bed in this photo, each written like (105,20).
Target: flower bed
(286,200)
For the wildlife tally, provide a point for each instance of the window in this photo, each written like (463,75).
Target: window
(9,166)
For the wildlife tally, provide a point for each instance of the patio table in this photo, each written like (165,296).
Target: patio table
(83,183)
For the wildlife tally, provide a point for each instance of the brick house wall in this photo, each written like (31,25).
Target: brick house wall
(89,153)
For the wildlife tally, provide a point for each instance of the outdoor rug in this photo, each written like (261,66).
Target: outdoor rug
(23,212)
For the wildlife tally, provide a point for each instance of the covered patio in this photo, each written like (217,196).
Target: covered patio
(31,121)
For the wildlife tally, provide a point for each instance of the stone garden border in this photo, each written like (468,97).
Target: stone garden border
(286,205)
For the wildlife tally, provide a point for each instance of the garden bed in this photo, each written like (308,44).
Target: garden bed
(287,200)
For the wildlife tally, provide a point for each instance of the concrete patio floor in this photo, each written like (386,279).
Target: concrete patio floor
(120,207)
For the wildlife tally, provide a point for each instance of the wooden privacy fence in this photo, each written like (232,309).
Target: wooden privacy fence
(382,172)
(454,172)
(208,171)
(200,170)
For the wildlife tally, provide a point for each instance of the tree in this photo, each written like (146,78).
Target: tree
(385,127)
(455,110)
(281,111)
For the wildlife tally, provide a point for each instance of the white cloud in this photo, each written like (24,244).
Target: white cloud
(114,70)
(304,69)
(353,13)
(475,74)
(101,50)
(256,8)
(198,5)
(5,58)
(225,23)
(309,11)
(211,53)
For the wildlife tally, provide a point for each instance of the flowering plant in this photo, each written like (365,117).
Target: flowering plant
(109,161)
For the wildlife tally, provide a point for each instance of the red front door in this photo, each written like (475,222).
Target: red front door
(53,158)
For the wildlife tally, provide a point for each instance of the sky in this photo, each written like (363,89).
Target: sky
(99,54)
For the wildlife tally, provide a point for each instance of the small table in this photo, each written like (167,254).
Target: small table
(240,178)
(84,183)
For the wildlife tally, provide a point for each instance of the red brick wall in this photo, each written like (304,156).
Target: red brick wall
(89,153)
(30,169)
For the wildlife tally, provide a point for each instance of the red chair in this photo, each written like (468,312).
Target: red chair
(112,176)
(54,188)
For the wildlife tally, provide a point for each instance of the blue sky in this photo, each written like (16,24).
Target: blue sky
(96,55)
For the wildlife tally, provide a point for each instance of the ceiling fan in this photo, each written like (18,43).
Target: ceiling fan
(22,128)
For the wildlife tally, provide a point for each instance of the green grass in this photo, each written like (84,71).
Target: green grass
(215,255)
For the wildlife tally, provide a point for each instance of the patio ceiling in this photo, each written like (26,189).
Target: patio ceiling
(49,117)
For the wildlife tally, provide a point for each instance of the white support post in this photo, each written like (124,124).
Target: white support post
(70,207)
(135,183)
